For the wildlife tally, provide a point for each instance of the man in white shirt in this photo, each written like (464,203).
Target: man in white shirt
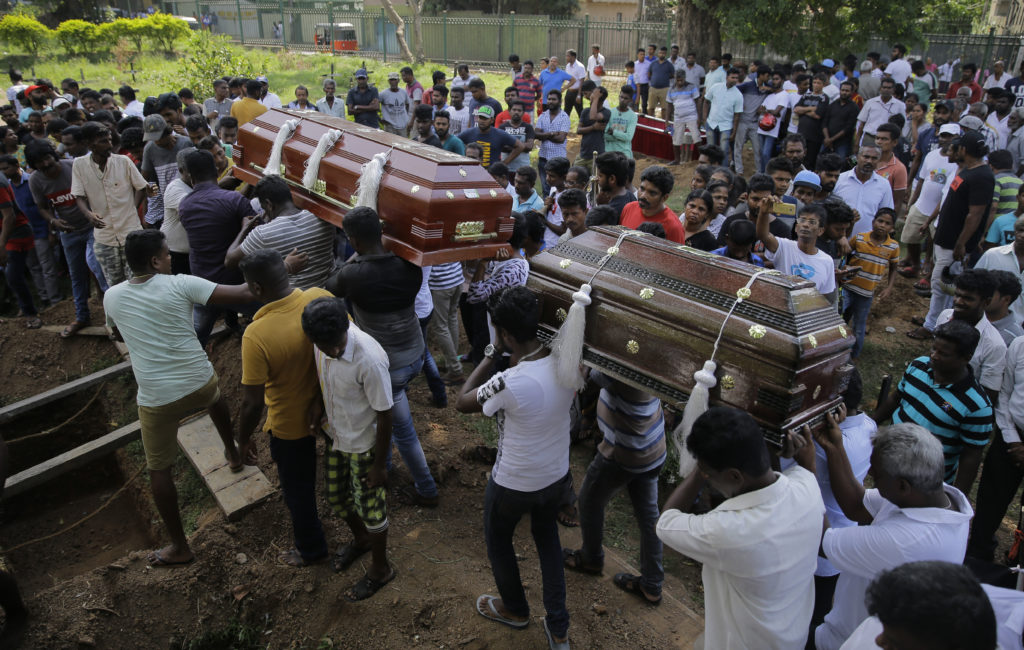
(759,546)
(356,390)
(578,74)
(800,258)
(899,69)
(933,177)
(998,78)
(877,111)
(946,74)
(1009,257)
(269,99)
(330,105)
(863,189)
(595,61)
(909,515)
(531,473)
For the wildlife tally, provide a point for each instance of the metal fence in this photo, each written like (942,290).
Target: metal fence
(490,39)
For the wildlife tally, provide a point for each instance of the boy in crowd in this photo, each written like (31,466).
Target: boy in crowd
(739,242)
(872,252)
(1008,203)
(800,258)
(1008,289)
(759,192)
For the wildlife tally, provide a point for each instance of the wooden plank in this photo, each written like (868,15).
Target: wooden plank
(235,493)
(43,472)
(13,410)
(93,330)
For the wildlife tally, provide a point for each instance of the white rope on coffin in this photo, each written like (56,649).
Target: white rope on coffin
(369,180)
(327,141)
(273,167)
(704,381)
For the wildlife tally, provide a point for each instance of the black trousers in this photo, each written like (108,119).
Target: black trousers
(1000,478)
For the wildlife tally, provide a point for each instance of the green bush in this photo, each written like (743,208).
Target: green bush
(133,30)
(78,37)
(207,57)
(24,32)
(164,29)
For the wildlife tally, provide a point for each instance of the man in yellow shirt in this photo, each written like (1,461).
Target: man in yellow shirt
(249,107)
(278,369)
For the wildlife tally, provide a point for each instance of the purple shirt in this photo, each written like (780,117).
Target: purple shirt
(212,218)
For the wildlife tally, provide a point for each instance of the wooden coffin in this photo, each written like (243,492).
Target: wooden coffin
(653,138)
(435,206)
(657,310)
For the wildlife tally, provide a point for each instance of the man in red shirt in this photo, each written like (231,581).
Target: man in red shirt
(968,72)
(528,87)
(655,185)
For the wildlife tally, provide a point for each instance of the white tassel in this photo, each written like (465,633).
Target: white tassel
(369,180)
(327,141)
(273,167)
(696,405)
(568,343)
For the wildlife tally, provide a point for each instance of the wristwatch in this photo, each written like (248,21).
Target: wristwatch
(489,351)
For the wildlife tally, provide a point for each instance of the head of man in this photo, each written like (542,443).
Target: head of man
(514,313)
(1003,101)
(220,90)
(329,87)
(780,169)
(474,151)
(612,170)
(967,72)
(974,289)
(806,185)
(886,89)
(794,148)
(867,161)
(656,183)
(886,138)
(730,451)
(898,50)
(525,180)
(458,95)
(570,56)
(10,168)
(462,70)
(1016,119)
(182,168)
(484,117)
(393,79)
(362,227)
(971,147)
(201,167)
(301,95)
(439,95)
(169,107)
(573,204)
(213,146)
(477,89)
(907,463)
(227,130)
(146,252)
(810,223)
(197,128)
(640,55)
(274,196)
(845,91)
(325,322)
(253,89)
(41,157)
(74,141)
(555,171)
(1018,237)
(952,348)
(423,120)
(407,75)
(931,606)
(442,122)
(265,273)
(760,188)
(553,63)
(99,139)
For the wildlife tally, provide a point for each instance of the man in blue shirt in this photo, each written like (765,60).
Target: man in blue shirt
(526,198)
(554,78)
(753,93)
(41,262)
(723,106)
(662,75)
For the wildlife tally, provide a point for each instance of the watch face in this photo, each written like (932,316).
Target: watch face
(489,350)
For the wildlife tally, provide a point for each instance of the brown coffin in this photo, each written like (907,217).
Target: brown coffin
(436,206)
(656,340)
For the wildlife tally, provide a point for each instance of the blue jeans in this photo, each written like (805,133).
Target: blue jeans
(603,480)
(17,268)
(77,250)
(856,308)
(767,148)
(403,433)
(503,508)
(721,138)
(204,317)
(430,371)
(841,149)
(296,468)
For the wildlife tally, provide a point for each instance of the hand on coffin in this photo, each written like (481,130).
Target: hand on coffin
(830,437)
(799,446)
(295,262)
(503,253)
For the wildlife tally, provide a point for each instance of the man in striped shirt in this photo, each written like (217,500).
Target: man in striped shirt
(940,393)
(446,289)
(305,240)
(630,454)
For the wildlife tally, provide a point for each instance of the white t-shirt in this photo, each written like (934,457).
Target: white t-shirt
(271,101)
(989,360)
(935,174)
(555,217)
(177,238)
(155,320)
(858,432)
(895,537)
(818,268)
(532,412)
(577,72)
(355,387)
(593,63)
(899,70)
(758,550)
(770,103)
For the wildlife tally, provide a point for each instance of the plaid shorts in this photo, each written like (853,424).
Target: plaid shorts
(347,492)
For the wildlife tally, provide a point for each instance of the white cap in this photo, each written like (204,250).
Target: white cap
(952,129)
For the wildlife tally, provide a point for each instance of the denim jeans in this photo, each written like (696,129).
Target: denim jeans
(296,468)
(767,148)
(430,371)
(721,138)
(603,480)
(503,508)
(541,173)
(16,270)
(856,308)
(403,433)
(77,249)
(43,266)
(1000,478)
(745,131)
(940,300)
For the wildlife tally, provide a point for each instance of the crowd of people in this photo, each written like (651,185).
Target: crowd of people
(137,199)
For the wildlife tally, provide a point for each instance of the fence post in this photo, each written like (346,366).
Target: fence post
(330,18)
(241,31)
(284,36)
(586,34)
(384,33)
(668,32)
(199,15)
(988,47)
(512,32)
(444,35)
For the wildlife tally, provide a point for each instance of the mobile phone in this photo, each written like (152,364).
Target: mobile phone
(782,207)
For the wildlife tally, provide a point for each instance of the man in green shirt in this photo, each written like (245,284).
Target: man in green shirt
(622,125)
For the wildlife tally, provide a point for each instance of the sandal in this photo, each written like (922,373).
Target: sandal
(157,561)
(568,519)
(346,555)
(485,607)
(367,586)
(917,320)
(907,272)
(920,334)
(293,558)
(631,584)
(573,559)
(33,323)
(924,284)
(73,329)
(552,643)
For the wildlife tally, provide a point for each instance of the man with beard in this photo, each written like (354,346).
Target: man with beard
(442,122)
(518,128)
(612,172)
(828,169)
(934,175)
(618,135)
(864,190)
(839,122)
(551,130)
(458,113)
(655,186)
(876,112)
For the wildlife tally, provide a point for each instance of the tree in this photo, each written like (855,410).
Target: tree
(24,33)
(132,30)
(417,27)
(389,9)
(77,37)
(164,29)
(698,28)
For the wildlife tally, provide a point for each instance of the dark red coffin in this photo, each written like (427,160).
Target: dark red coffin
(652,138)
(657,309)
(436,206)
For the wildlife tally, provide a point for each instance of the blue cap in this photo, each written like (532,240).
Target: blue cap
(361,72)
(807,178)
(828,63)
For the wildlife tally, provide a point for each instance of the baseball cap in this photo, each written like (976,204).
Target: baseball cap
(974,143)
(153,128)
(945,103)
(952,129)
(361,72)
(486,111)
(971,122)
(61,101)
(800,62)
(31,89)
(393,75)
(595,46)
(828,63)
(807,178)
(263,79)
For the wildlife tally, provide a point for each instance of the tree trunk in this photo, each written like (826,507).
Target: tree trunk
(698,30)
(389,9)
(417,28)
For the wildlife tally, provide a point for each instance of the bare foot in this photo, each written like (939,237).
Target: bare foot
(170,555)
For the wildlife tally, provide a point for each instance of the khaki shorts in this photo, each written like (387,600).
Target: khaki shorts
(912,228)
(160,423)
(685,133)
(658,96)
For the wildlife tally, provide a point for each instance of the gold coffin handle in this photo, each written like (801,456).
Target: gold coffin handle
(321,194)
(471,231)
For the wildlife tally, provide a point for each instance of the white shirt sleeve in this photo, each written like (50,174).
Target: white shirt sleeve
(376,382)
(196,289)
(1013,364)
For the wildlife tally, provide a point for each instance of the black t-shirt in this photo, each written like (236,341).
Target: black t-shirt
(432,140)
(839,117)
(970,187)
(619,202)
(777,227)
(704,240)
(593,141)
(358,97)
(904,151)
(492,143)
(809,126)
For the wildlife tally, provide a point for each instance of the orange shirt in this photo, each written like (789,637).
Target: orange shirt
(632,217)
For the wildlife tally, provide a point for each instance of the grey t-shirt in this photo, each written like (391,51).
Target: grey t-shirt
(163,163)
(223,108)
(56,193)
(395,106)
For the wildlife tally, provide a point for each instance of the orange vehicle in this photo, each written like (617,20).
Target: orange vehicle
(342,35)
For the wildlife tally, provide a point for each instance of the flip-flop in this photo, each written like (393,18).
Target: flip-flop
(33,323)
(346,555)
(485,607)
(568,520)
(920,334)
(573,559)
(907,272)
(917,320)
(72,329)
(234,468)
(367,587)
(631,585)
(552,644)
(158,562)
